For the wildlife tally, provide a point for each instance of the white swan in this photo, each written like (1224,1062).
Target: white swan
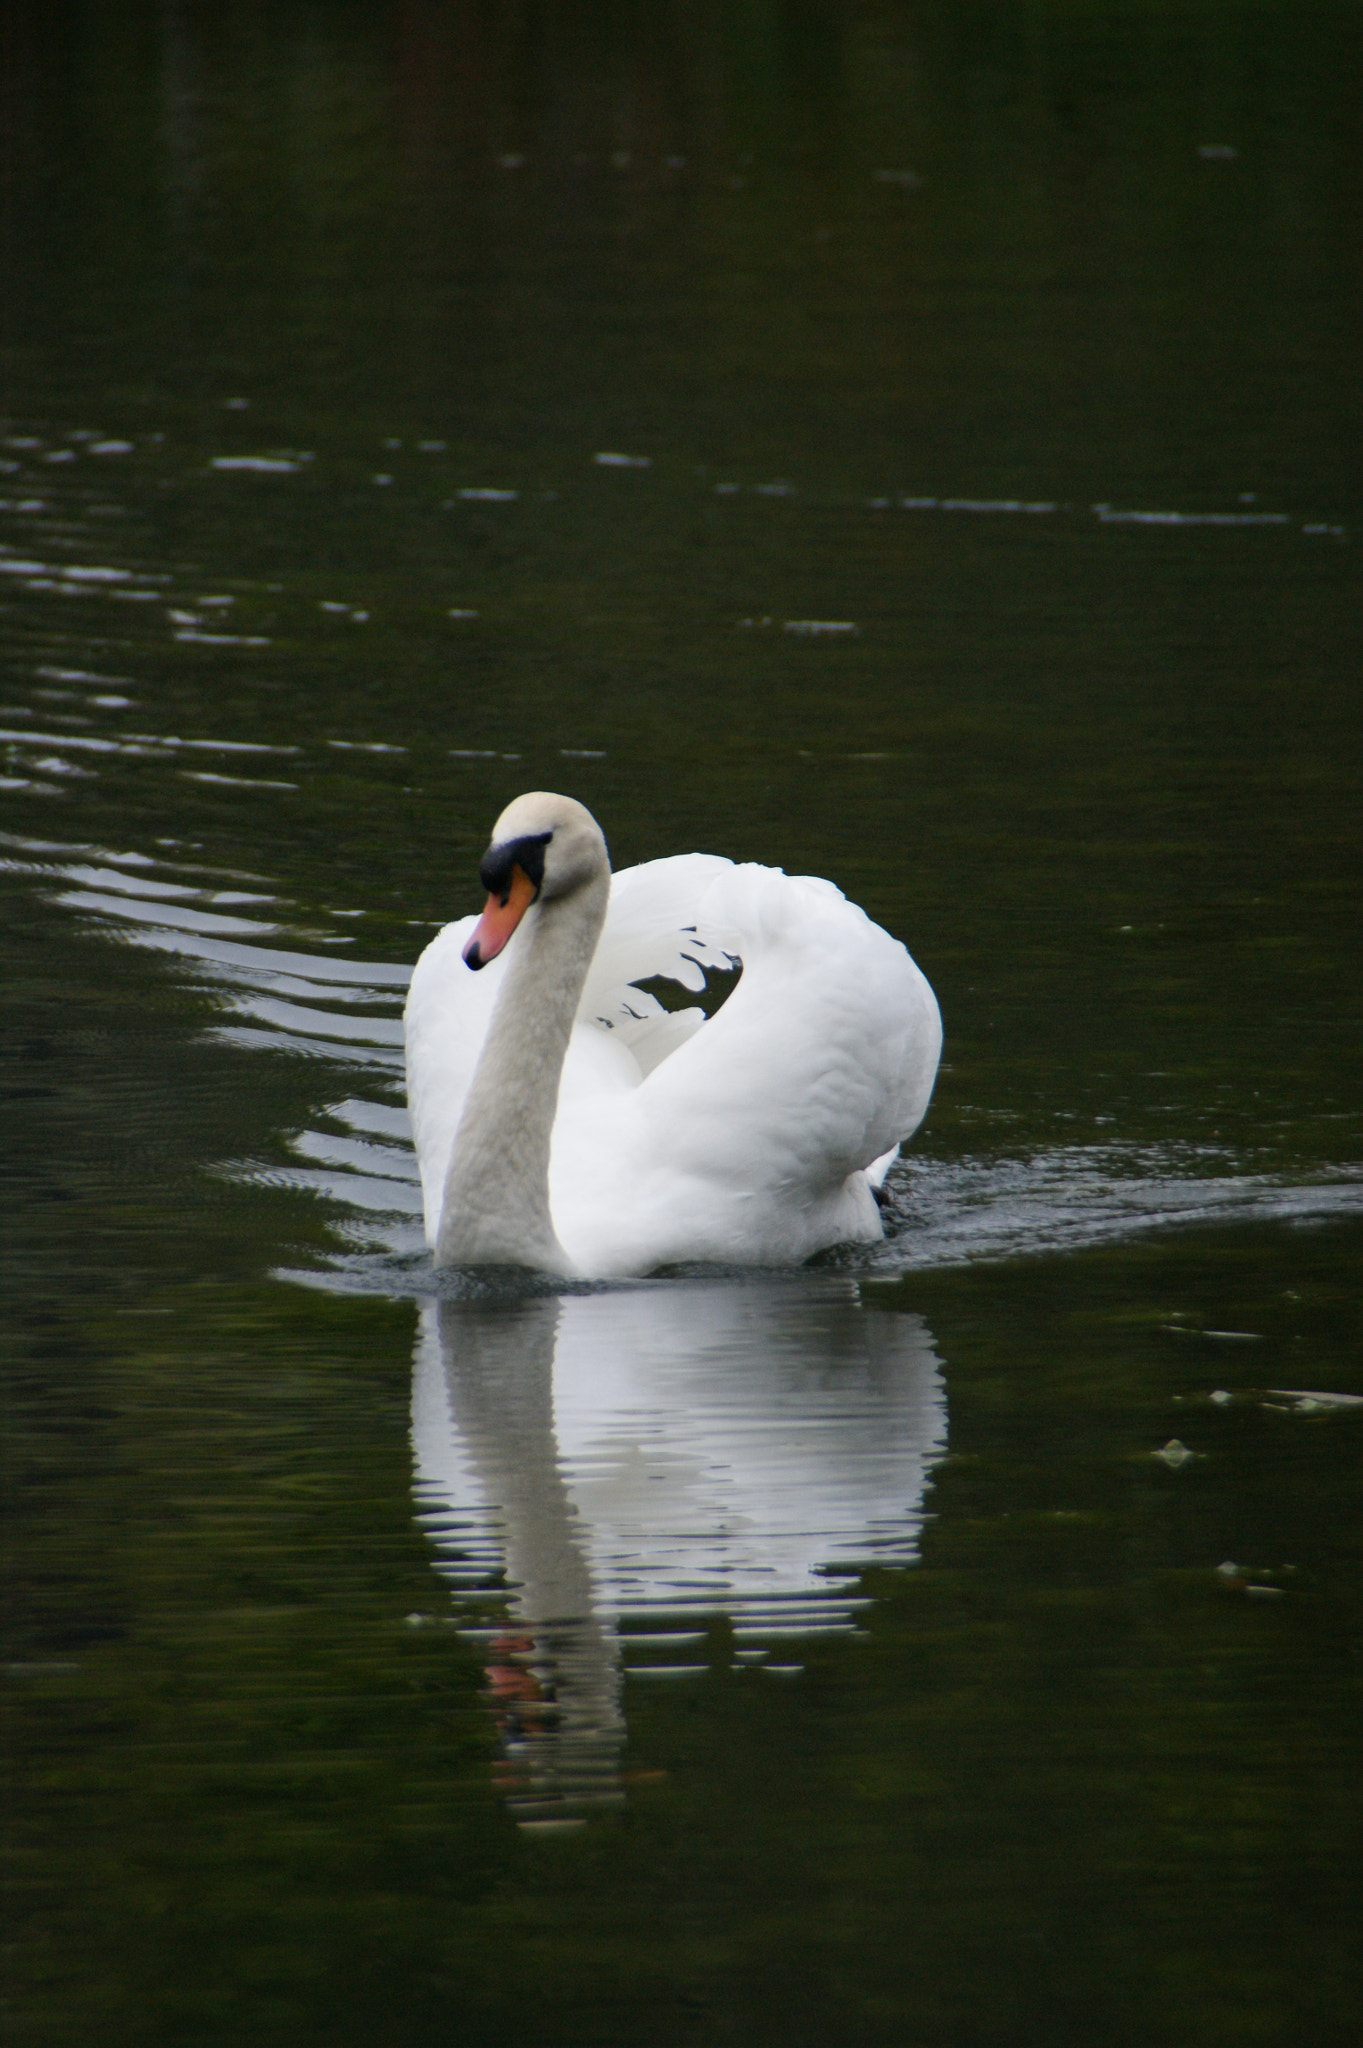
(567,1122)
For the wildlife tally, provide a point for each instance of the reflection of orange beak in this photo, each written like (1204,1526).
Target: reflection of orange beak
(499,920)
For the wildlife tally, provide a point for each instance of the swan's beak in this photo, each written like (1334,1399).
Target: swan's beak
(499,920)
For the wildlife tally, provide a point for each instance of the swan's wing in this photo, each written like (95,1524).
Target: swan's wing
(824,1056)
(652,924)
(651,930)
(746,1140)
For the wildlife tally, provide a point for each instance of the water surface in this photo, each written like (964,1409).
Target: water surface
(909,445)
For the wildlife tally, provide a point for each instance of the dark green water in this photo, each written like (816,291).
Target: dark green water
(987,542)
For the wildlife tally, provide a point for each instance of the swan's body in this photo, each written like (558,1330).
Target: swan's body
(565,1121)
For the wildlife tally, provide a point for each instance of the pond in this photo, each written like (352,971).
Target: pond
(906,444)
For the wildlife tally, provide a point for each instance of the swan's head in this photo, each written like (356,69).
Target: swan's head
(543,847)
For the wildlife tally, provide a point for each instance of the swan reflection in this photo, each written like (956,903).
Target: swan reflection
(607,1476)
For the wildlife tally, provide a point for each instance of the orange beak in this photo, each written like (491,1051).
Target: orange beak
(499,920)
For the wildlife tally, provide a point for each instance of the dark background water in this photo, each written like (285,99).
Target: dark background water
(987,542)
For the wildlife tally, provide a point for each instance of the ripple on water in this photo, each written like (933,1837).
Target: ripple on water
(1064,1199)
(626,1485)
(267,987)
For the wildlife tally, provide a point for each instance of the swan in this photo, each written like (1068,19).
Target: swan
(566,1121)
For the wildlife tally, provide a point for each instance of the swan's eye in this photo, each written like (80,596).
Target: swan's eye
(499,862)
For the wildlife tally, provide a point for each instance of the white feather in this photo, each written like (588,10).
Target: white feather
(752,1138)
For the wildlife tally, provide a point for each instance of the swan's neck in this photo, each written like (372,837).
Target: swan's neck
(495,1209)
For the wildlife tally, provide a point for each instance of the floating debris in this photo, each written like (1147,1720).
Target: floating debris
(1237,1578)
(1316,1403)
(192,633)
(260,465)
(994,505)
(1109,517)
(1219,1336)
(231,781)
